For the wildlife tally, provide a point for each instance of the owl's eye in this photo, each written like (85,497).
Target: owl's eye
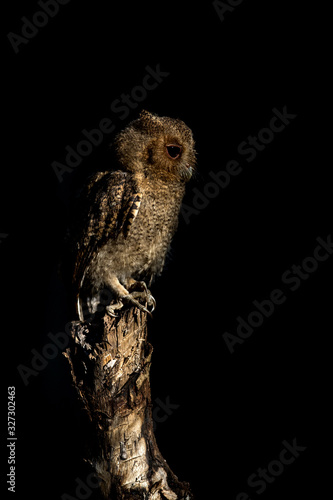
(173,151)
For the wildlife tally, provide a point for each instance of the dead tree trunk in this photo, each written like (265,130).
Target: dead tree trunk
(110,361)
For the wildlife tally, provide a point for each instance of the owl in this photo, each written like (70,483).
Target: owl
(127,216)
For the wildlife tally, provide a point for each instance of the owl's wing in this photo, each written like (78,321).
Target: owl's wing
(112,201)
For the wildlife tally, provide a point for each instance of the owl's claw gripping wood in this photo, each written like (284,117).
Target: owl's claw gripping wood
(112,308)
(132,299)
(143,294)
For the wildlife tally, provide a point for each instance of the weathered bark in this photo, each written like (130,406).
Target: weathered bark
(110,361)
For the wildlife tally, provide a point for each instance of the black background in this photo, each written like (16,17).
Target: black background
(234,410)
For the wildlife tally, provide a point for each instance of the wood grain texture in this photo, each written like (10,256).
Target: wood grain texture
(110,362)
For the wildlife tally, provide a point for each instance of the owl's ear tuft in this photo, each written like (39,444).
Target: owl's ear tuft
(149,121)
(145,114)
(148,117)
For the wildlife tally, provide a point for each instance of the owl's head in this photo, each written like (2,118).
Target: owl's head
(158,147)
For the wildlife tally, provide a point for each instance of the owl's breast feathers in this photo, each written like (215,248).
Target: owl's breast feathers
(121,205)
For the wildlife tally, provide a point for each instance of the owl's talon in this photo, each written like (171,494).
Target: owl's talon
(151,302)
(144,294)
(111,312)
(132,299)
(110,309)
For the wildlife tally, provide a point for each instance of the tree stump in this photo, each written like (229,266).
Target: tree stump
(110,361)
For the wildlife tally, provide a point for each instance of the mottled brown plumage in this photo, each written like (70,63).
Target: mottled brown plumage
(128,217)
